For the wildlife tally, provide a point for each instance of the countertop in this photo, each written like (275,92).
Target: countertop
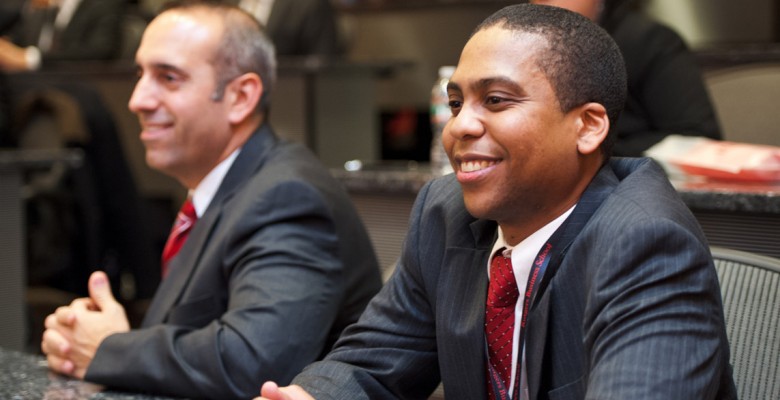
(26,377)
(698,193)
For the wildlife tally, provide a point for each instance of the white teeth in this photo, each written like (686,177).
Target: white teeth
(471,166)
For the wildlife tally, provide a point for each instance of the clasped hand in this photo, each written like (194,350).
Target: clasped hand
(271,391)
(73,333)
(12,57)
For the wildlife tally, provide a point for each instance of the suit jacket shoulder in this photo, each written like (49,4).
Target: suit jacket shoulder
(636,283)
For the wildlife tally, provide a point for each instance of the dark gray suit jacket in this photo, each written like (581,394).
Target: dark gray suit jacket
(632,311)
(270,275)
(304,27)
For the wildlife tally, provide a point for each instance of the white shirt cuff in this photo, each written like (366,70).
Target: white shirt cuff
(33,57)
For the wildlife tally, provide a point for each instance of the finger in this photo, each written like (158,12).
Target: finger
(270,391)
(100,291)
(81,303)
(65,315)
(54,343)
(59,364)
(84,303)
(50,322)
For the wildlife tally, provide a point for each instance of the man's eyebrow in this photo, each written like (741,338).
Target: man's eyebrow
(167,67)
(484,83)
(164,67)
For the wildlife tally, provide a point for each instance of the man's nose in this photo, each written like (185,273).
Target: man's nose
(143,97)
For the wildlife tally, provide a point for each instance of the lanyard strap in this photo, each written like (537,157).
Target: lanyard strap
(538,269)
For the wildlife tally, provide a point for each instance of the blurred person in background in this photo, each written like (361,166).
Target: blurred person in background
(90,216)
(63,30)
(299,27)
(666,92)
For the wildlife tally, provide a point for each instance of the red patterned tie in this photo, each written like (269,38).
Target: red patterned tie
(500,318)
(185,219)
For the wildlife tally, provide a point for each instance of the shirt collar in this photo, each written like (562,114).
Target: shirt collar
(528,248)
(207,188)
(65,14)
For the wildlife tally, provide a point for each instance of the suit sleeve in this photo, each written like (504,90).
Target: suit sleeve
(653,316)
(283,282)
(391,351)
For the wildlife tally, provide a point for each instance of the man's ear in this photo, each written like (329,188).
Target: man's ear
(593,127)
(243,94)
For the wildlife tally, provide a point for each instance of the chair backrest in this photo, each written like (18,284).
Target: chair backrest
(750,286)
(745,99)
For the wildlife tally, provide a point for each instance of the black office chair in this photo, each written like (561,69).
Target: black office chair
(750,286)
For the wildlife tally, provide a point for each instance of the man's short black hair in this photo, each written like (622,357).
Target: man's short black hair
(581,61)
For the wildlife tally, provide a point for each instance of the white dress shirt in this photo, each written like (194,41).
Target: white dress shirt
(523,255)
(207,188)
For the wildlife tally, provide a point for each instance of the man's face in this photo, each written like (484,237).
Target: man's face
(514,151)
(184,130)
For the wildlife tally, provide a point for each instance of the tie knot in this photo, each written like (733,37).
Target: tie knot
(503,290)
(188,211)
(185,219)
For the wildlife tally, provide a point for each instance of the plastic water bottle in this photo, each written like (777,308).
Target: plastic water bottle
(440,114)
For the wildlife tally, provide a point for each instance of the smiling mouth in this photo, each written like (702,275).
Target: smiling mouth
(473,166)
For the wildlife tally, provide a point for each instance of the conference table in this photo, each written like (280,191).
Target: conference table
(25,376)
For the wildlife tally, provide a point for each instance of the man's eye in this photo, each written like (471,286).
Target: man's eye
(169,79)
(455,104)
(494,100)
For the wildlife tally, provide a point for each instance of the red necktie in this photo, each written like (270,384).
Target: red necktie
(185,219)
(500,318)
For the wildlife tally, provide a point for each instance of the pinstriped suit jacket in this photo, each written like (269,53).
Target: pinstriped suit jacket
(633,310)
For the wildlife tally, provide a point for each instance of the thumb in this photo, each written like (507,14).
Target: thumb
(100,291)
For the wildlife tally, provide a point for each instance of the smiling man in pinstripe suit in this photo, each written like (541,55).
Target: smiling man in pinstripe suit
(622,296)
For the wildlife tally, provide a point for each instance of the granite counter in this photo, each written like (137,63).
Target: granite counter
(739,215)
(26,377)
(696,193)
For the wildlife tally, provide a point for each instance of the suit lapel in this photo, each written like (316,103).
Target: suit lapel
(183,266)
(181,269)
(466,316)
(536,340)
(602,185)
(253,155)
(463,282)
